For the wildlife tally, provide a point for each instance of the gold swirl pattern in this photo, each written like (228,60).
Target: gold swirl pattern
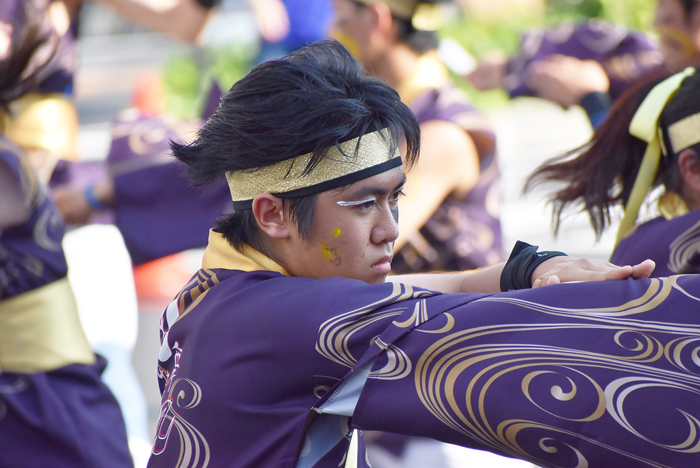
(397,367)
(684,252)
(194,449)
(335,334)
(617,364)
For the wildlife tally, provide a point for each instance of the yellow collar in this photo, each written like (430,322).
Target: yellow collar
(430,73)
(220,254)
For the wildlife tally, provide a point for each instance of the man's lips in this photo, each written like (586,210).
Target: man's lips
(383,265)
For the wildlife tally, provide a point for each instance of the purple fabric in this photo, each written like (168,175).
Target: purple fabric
(31,254)
(465,232)
(157,210)
(625,55)
(573,366)
(213,100)
(674,245)
(66,418)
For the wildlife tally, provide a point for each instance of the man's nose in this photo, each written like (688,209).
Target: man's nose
(387,229)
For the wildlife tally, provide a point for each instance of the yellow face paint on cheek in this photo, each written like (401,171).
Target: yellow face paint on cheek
(337,232)
(327,254)
(331,254)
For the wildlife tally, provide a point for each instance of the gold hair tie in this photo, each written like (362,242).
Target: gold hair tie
(645,126)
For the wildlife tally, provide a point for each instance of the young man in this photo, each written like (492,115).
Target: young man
(289,338)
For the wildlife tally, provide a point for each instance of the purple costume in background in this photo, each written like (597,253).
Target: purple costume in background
(260,369)
(157,210)
(625,55)
(673,244)
(465,232)
(51,414)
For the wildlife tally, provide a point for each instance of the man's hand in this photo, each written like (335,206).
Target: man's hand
(566,80)
(565,269)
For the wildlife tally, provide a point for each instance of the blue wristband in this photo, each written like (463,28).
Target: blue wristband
(94,203)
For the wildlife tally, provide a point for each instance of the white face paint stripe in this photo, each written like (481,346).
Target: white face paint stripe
(358,203)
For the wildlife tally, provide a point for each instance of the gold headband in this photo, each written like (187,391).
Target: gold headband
(424,16)
(684,133)
(354,160)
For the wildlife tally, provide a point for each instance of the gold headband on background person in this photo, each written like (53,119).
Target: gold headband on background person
(424,16)
(351,161)
(684,133)
(645,126)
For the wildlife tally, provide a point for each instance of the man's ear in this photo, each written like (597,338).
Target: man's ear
(689,168)
(384,19)
(270,216)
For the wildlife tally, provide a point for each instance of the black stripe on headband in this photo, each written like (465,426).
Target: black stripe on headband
(329,184)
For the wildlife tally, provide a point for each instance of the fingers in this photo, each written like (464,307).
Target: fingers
(566,269)
(644,269)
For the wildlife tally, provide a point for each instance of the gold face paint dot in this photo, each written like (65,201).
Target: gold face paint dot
(337,232)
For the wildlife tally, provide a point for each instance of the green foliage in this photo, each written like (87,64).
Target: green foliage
(187,77)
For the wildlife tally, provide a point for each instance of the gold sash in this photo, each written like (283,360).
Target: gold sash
(40,331)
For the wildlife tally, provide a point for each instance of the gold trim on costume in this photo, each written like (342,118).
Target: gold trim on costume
(287,176)
(40,331)
(684,133)
(48,122)
(221,254)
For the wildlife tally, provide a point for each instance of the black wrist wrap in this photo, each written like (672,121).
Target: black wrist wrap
(517,273)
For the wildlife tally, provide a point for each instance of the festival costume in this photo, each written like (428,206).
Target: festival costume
(464,233)
(54,409)
(603,372)
(257,368)
(624,55)
(674,245)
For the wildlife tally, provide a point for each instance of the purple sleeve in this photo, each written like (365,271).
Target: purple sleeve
(588,374)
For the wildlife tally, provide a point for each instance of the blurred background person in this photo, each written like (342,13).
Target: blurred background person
(577,77)
(622,166)
(587,64)
(54,408)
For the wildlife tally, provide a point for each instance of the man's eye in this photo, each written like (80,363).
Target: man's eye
(395,197)
(367,205)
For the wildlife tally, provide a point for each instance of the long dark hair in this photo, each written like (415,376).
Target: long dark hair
(601,173)
(314,98)
(17,76)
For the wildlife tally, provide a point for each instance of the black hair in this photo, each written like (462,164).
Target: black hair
(28,35)
(601,173)
(688,6)
(306,102)
(419,41)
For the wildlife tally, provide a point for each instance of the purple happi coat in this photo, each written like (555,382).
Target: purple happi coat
(625,55)
(673,244)
(258,369)
(465,231)
(62,416)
